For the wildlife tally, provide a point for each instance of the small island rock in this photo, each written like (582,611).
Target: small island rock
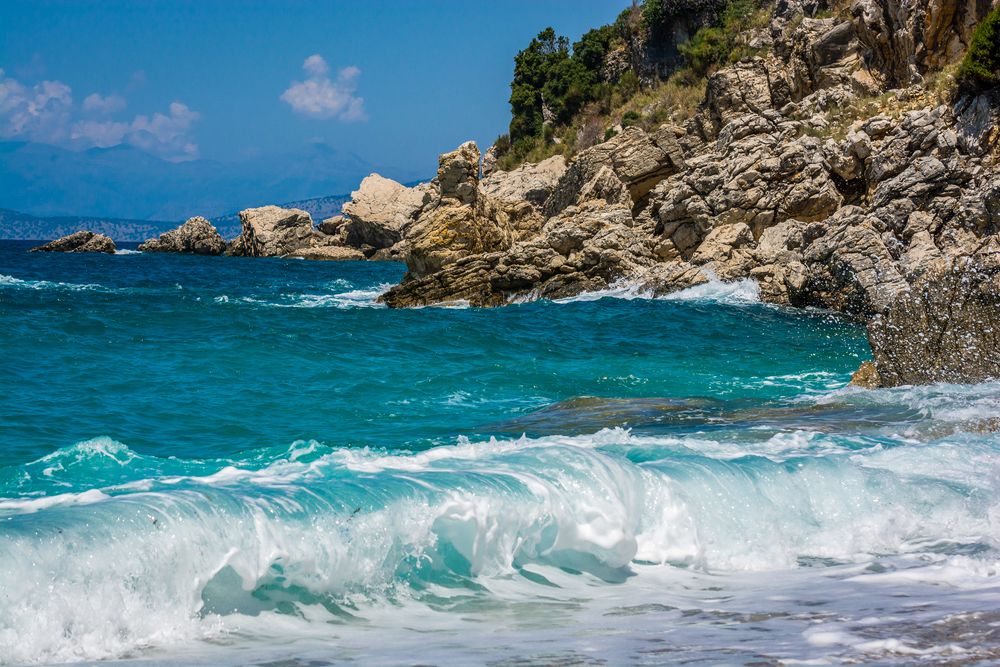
(83,241)
(196,236)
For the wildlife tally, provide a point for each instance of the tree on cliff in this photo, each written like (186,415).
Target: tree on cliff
(546,73)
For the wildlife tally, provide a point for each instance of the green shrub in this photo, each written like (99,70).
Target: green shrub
(502,144)
(981,66)
(631,118)
(610,132)
(716,45)
(629,83)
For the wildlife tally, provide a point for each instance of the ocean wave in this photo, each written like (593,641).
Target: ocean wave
(17,283)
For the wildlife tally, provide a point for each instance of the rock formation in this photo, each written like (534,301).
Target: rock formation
(382,211)
(83,241)
(273,232)
(582,249)
(946,326)
(196,236)
(328,253)
(459,221)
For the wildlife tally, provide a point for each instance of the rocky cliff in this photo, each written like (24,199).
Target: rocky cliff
(832,172)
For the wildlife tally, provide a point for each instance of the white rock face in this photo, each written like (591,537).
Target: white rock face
(271,231)
(382,211)
(532,182)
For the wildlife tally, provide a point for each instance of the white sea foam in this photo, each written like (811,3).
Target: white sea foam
(10,281)
(740,292)
(124,251)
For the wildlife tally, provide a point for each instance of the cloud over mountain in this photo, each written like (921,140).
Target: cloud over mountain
(45,113)
(320,97)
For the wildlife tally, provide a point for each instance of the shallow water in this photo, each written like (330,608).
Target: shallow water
(231,461)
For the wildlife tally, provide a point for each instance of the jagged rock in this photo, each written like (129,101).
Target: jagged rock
(490,160)
(83,241)
(583,249)
(273,232)
(734,92)
(636,158)
(854,272)
(720,243)
(921,255)
(866,376)
(945,327)
(196,236)
(332,226)
(905,40)
(327,252)
(530,182)
(381,211)
(461,222)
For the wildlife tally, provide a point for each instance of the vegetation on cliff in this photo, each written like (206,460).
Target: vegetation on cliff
(981,66)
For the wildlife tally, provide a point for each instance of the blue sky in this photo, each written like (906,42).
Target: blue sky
(396,83)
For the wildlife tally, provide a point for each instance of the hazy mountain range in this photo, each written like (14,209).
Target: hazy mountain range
(17,225)
(127,184)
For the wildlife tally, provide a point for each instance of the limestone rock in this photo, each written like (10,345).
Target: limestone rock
(944,328)
(634,157)
(381,211)
(866,376)
(83,241)
(196,236)
(905,40)
(854,272)
(327,252)
(273,232)
(583,249)
(530,182)
(461,222)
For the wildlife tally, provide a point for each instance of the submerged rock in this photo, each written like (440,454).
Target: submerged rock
(83,241)
(196,236)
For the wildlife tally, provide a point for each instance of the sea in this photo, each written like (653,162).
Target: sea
(231,461)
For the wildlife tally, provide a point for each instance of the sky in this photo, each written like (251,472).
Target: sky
(397,83)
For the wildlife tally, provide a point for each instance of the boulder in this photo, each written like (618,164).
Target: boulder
(381,211)
(83,241)
(196,236)
(460,221)
(530,182)
(273,232)
(945,327)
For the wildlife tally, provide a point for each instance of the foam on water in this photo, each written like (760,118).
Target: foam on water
(612,477)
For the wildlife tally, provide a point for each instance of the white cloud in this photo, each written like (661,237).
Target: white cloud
(45,113)
(98,104)
(319,97)
(316,66)
(166,136)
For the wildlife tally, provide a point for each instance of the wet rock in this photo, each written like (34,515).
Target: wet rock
(583,249)
(866,376)
(196,236)
(83,241)
(945,327)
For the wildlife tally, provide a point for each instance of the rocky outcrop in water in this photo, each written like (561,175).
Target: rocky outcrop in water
(460,220)
(946,326)
(273,232)
(382,211)
(196,236)
(83,241)
(328,253)
(583,249)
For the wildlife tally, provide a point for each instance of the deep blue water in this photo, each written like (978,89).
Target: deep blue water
(235,461)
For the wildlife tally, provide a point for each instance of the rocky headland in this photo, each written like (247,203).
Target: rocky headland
(838,164)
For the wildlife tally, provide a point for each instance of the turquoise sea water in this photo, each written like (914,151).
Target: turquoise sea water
(239,461)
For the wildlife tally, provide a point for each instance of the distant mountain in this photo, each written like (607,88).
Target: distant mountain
(125,183)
